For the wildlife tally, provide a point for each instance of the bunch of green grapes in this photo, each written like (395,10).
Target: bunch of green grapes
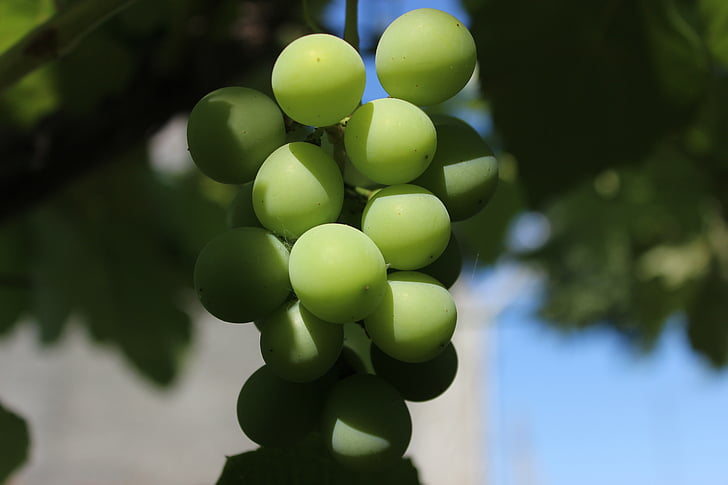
(340,247)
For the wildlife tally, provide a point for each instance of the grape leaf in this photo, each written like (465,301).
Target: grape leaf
(14,442)
(120,263)
(572,87)
(15,285)
(306,464)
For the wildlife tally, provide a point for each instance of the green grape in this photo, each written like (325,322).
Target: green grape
(240,213)
(426,56)
(416,318)
(231,131)
(464,173)
(297,345)
(408,224)
(276,412)
(421,381)
(366,424)
(242,274)
(299,186)
(446,269)
(318,79)
(390,140)
(337,272)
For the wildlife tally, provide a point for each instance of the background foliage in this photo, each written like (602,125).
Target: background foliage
(610,117)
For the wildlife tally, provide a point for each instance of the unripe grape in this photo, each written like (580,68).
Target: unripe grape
(337,272)
(447,267)
(425,56)
(299,186)
(242,274)
(297,345)
(366,424)
(421,381)
(390,140)
(231,131)
(318,79)
(464,172)
(408,224)
(240,213)
(274,412)
(416,318)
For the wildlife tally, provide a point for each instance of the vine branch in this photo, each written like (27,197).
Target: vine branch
(55,38)
(351,30)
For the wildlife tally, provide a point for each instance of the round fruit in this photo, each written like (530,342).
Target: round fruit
(408,224)
(366,424)
(299,186)
(415,320)
(242,274)
(318,79)
(390,140)
(464,173)
(337,272)
(426,56)
(231,131)
(297,345)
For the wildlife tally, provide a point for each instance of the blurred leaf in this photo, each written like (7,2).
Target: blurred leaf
(679,58)
(627,249)
(34,96)
(102,62)
(714,14)
(105,251)
(572,87)
(14,442)
(306,464)
(708,319)
(18,17)
(15,284)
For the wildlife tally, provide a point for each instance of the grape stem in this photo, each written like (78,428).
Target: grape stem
(55,37)
(351,31)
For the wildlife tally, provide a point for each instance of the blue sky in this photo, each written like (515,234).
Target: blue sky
(581,409)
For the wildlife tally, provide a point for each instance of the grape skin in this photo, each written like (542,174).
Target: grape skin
(318,79)
(416,318)
(242,274)
(390,140)
(240,212)
(425,56)
(274,412)
(464,172)
(408,224)
(447,267)
(231,131)
(337,272)
(366,424)
(421,381)
(299,186)
(297,345)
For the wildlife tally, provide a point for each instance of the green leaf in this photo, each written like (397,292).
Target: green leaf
(679,59)
(14,442)
(105,249)
(571,87)
(18,17)
(627,249)
(714,14)
(708,319)
(306,464)
(15,282)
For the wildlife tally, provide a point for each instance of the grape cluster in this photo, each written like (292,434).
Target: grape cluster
(340,248)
